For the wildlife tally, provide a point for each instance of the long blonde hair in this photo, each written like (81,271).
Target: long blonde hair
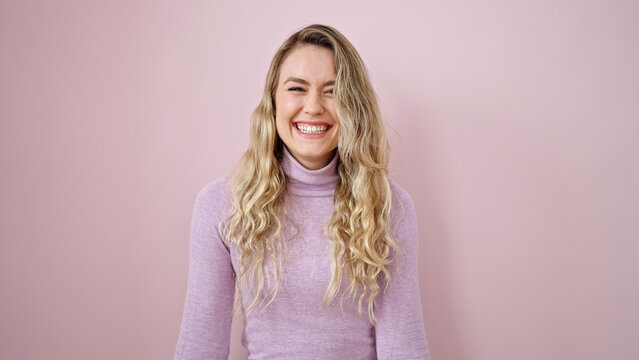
(359,227)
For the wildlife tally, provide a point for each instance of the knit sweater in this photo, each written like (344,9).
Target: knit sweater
(294,325)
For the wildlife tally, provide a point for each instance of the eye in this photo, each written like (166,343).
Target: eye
(295,89)
(330,91)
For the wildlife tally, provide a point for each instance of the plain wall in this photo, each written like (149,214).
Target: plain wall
(513,126)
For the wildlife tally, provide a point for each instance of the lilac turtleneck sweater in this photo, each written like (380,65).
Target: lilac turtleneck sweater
(294,325)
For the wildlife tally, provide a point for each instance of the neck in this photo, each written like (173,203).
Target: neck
(315,163)
(305,180)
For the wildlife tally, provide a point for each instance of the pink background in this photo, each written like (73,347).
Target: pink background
(514,127)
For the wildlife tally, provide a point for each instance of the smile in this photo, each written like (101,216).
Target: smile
(311,129)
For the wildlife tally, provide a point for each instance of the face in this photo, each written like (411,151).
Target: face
(305,114)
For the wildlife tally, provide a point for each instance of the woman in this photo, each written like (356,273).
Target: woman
(308,215)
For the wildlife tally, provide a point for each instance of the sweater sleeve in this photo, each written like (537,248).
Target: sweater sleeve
(206,320)
(400,333)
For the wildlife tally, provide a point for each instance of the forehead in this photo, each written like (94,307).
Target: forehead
(309,62)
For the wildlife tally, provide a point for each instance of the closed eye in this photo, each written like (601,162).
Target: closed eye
(297,88)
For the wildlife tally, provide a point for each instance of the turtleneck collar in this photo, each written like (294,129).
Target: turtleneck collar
(302,181)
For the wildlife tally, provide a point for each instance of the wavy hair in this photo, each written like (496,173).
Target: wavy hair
(358,228)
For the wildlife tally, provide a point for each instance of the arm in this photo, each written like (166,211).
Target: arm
(206,321)
(399,332)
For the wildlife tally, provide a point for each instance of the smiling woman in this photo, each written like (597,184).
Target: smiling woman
(304,106)
(309,214)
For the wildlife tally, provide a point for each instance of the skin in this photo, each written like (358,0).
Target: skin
(305,94)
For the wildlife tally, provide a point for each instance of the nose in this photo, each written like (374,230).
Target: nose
(313,105)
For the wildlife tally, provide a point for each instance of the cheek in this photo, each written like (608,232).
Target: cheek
(280,116)
(333,111)
(286,108)
(338,130)
(336,120)
(280,126)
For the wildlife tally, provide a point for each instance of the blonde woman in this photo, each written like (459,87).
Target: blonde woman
(308,239)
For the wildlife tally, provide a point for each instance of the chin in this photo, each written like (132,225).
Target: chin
(315,153)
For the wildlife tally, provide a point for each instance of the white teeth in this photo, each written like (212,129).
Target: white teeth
(312,129)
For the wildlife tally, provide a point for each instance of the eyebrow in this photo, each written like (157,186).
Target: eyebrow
(302,81)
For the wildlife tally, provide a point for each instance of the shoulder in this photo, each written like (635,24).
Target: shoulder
(215,188)
(403,217)
(213,198)
(401,199)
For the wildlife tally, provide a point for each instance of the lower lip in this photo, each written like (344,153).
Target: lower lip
(311,136)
